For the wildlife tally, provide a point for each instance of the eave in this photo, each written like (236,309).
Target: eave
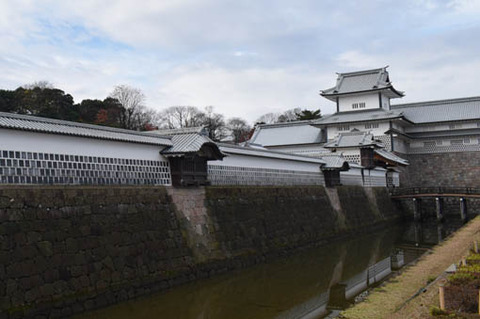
(332,96)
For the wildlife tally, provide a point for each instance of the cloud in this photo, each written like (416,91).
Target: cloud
(470,7)
(247,93)
(244,57)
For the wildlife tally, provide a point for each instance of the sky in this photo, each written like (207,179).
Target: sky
(245,58)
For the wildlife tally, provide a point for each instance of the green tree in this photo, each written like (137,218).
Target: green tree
(45,102)
(308,115)
(7,101)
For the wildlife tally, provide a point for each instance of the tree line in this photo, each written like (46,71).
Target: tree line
(125,108)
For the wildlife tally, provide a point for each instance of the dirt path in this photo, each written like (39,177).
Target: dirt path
(408,295)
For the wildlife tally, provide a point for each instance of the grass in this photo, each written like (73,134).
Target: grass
(408,296)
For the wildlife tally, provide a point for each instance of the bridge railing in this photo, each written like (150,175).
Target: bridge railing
(434,190)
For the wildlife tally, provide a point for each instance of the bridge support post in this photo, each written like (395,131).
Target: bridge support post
(440,232)
(463,209)
(417,214)
(439,209)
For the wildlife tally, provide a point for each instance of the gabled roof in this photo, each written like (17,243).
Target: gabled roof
(189,141)
(390,158)
(335,162)
(184,130)
(461,109)
(356,116)
(52,126)
(354,139)
(362,81)
(289,133)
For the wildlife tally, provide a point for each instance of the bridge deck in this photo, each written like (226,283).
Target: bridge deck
(419,192)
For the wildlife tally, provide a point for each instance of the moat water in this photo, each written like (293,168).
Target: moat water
(311,284)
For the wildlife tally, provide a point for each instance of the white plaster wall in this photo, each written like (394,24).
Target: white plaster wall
(399,145)
(370,99)
(385,102)
(373,177)
(16,140)
(236,160)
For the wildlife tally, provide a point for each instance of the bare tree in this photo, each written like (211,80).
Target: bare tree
(239,129)
(215,124)
(135,115)
(268,118)
(289,115)
(181,116)
(271,118)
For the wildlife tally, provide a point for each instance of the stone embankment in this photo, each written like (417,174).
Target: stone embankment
(65,250)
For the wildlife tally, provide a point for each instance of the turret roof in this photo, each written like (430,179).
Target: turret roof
(362,81)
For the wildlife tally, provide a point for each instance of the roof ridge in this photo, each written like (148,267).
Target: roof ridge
(437,102)
(364,111)
(272,125)
(33,118)
(361,72)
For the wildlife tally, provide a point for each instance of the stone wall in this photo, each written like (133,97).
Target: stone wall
(70,249)
(65,250)
(262,220)
(459,169)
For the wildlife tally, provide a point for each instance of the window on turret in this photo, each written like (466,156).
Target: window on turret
(360,105)
(343,128)
(371,125)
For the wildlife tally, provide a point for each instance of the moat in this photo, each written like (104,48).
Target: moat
(309,284)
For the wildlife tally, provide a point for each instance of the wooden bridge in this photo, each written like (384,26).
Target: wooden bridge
(416,194)
(421,192)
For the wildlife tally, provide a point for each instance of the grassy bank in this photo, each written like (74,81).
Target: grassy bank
(415,290)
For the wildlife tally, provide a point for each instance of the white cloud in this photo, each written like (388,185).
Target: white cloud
(244,57)
(246,93)
(470,7)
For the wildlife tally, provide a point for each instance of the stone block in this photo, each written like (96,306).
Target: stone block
(71,245)
(31,295)
(45,248)
(47,290)
(27,283)
(5,303)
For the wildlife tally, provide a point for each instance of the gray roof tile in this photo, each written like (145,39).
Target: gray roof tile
(358,116)
(391,157)
(441,111)
(53,126)
(362,81)
(353,139)
(290,133)
(186,143)
(335,162)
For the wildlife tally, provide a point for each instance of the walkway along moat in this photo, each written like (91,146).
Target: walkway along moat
(66,250)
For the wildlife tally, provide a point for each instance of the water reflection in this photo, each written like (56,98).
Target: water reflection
(306,285)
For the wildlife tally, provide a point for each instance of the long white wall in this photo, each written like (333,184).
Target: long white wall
(16,140)
(258,169)
(39,158)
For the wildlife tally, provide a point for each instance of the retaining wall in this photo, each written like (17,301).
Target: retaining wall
(65,250)
(456,169)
